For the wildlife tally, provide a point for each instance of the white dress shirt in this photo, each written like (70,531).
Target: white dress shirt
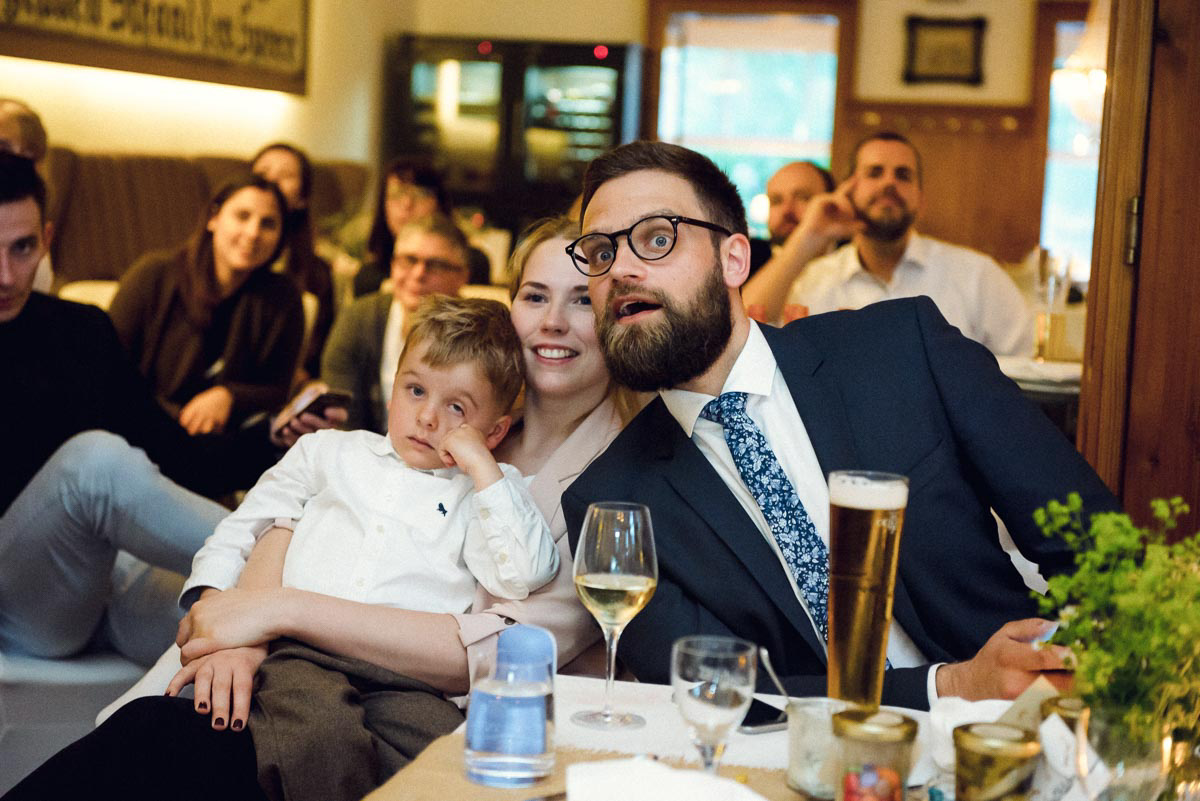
(389,354)
(970,289)
(770,405)
(369,528)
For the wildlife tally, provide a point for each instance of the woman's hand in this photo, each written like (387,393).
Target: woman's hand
(207,412)
(231,619)
(224,684)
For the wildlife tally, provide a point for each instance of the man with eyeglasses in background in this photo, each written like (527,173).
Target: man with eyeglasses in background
(892,387)
(363,349)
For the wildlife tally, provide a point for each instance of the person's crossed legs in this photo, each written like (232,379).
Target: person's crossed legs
(59,540)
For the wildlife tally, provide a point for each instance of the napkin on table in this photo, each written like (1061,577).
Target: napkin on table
(641,779)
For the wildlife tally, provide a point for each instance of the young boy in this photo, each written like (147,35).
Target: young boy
(411,520)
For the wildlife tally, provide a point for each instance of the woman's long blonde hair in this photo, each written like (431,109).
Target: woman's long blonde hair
(627,402)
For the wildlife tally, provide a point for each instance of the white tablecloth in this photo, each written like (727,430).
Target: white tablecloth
(665,735)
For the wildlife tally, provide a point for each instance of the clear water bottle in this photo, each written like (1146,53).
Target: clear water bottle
(510,717)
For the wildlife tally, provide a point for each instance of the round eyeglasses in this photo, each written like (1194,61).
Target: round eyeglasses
(650,239)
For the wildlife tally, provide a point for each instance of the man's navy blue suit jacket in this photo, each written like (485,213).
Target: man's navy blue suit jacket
(891,387)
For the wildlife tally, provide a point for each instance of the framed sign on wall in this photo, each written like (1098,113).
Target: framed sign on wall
(260,43)
(944,50)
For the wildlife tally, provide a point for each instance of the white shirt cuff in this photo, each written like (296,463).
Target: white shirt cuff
(931,684)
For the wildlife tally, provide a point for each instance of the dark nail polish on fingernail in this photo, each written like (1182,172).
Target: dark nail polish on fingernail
(219,722)
(203,707)
(237,725)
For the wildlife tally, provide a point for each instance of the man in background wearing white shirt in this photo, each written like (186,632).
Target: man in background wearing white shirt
(888,259)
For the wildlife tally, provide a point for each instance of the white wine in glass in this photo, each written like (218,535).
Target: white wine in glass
(615,575)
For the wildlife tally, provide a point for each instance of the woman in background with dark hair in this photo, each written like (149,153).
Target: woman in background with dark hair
(411,189)
(215,332)
(289,168)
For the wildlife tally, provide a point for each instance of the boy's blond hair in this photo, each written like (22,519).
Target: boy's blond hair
(470,330)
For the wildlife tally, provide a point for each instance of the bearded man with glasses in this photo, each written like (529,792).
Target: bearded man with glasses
(892,387)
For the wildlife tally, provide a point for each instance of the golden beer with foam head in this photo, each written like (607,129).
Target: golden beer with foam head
(866,514)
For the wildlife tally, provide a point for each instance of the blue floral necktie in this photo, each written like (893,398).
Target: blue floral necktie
(805,554)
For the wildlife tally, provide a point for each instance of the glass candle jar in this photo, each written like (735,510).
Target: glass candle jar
(994,762)
(874,754)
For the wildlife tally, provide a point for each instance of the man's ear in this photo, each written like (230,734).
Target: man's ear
(47,234)
(498,432)
(736,265)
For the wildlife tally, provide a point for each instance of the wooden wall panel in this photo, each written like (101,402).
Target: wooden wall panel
(984,165)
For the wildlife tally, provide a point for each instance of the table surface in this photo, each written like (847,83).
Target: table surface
(758,760)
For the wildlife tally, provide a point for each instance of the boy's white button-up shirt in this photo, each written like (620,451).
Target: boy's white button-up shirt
(369,528)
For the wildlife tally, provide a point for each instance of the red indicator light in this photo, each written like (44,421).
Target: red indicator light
(484,48)
(600,51)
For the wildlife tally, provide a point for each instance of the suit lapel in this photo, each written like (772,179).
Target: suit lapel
(689,473)
(823,410)
(818,400)
(383,305)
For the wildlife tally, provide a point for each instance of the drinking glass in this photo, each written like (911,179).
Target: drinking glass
(1053,283)
(866,515)
(616,572)
(713,678)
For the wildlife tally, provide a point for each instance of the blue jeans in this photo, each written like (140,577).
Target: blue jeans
(94,550)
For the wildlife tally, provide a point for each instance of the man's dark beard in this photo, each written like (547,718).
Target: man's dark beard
(889,230)
(651,356)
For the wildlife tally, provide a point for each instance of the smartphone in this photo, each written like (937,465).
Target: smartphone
(761,718)
(313,400)
(326,400)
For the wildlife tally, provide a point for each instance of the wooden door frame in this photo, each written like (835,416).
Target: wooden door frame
(1104,395)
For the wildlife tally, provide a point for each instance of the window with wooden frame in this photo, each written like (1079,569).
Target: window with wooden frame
(752,85)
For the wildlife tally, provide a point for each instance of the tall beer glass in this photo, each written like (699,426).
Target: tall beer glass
(866,513)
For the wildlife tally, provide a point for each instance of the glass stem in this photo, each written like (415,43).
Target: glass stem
(710,756)
(611,635)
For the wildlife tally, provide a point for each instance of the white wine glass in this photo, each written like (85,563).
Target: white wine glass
(713,678)
(616,572)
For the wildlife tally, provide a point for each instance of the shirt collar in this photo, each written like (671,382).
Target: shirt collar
(915,255)
(381,445)
(753,372)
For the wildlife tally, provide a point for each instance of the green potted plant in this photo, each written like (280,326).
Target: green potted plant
(1130,613)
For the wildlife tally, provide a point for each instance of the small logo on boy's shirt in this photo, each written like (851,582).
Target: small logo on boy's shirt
(441,509)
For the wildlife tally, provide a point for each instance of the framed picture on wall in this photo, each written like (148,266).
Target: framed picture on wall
(944,50)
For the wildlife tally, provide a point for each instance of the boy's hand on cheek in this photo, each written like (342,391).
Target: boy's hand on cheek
(465,447)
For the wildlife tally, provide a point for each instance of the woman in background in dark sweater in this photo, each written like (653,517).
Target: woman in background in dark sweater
(289,168)
(216,333)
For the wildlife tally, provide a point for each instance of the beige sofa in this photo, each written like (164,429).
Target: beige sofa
(110,208)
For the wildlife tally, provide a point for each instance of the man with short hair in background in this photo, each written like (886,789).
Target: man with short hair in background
(22,132)
(788,193)
(887,258)
(95,531)
(363,349)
